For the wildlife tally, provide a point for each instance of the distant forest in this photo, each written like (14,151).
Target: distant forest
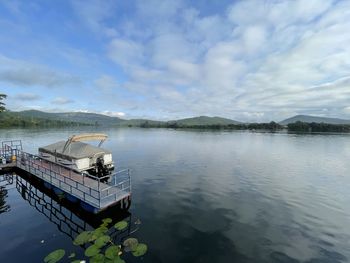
(273,126)
(317,127)
(12,120)
(303,127)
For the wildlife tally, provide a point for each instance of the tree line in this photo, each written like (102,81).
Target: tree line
(12,120)
(271,126)
(317,127)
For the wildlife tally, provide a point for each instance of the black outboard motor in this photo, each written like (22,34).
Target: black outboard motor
(101,169)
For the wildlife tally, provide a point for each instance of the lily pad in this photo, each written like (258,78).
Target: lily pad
(121,225)
(82,238)
(130,244)
(112,252)
(72,255)
(107,220)
(102,241)
(140,250)
(99,258)
(115,260)
(98,232)
(101,229)
(55,256)
(92,250)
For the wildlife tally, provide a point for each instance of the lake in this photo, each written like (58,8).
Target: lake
(205,196)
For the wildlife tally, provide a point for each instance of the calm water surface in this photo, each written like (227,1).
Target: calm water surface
(209,197)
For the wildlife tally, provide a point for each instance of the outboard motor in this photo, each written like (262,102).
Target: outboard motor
(101,169)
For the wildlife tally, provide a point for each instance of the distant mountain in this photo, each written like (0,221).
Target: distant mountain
(204,120)
(309,119)
(104,120)
(81,117)
(39,118)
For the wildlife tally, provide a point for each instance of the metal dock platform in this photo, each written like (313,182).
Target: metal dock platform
(92,193)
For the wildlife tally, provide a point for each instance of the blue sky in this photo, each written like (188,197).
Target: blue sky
(246,60)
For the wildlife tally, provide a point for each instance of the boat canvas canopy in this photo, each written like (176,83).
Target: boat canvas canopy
(88,137)
(76,150)
(85,137)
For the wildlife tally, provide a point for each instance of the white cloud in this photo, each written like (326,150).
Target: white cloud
(106,83)
(108,113)
(113,113)
(26,97)
(62,101)
(125,52)
(23,73)
(93,14)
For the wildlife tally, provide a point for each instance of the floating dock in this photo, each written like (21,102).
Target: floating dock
(92,193)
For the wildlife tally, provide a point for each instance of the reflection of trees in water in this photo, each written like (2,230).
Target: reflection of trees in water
(8,179)
(3,206)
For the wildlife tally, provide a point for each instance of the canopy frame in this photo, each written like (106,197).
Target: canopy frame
(85,137)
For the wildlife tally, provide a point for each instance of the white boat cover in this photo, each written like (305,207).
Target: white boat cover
(76,150)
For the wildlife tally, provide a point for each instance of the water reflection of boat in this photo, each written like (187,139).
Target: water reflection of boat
(68,218)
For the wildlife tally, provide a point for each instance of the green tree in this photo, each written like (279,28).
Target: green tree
(2,105)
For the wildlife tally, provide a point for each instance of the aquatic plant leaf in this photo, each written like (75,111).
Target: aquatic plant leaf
(82,238)
(101,229)
(72,255)
(92,250)
(55,256)
(130,244)
(107,220)
(76,261)
(102,241)
(98,232)
(121,225)
(112,252)
(115,260)
(140,250)
(99,258)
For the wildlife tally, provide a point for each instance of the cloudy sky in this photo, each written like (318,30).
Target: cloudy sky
(247,60)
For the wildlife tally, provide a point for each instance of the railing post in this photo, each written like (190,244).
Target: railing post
(99,198)
(129,180)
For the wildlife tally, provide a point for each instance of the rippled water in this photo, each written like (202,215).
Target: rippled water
(211,197)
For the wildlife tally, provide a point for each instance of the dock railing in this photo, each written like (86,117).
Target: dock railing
(90,189)
(9,148)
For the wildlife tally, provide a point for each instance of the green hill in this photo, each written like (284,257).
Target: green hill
(15,119)
(82,117)
(204,121)
(40,118)
(315,119)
